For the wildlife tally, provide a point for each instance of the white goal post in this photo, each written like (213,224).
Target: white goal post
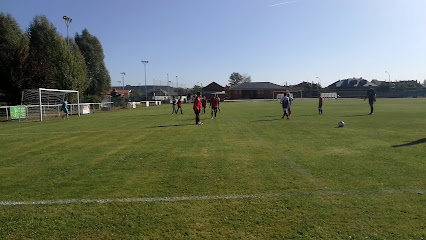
(44,103)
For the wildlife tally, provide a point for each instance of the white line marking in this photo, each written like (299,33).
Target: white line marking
(204,198)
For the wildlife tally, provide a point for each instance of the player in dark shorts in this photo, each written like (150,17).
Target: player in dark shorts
(174,105)
(320,100)
(285,103)
(214,104)
(204,103)
(197,109)
(371,95)
(179,105)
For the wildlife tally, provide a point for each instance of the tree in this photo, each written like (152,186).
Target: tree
(91,48)
(72,73)
(135,96)
(13,57)
(384,87)
(246,77)
(46,56)
(235,79)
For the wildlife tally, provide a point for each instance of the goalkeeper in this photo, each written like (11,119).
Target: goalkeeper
(64,108)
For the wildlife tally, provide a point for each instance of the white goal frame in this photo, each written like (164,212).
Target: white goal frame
(40,98)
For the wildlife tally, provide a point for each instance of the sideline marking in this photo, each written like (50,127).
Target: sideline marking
(204,198)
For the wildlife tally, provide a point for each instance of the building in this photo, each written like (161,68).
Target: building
(214,88)
(256,90)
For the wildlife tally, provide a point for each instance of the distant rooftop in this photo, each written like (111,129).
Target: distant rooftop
(257,85)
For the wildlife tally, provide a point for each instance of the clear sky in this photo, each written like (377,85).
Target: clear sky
(278,41)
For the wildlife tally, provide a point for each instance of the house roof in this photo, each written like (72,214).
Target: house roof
(159,92)
(123,92)
(257,85)
(350,83)
(213,85)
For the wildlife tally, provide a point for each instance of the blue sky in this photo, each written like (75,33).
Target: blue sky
(279,41)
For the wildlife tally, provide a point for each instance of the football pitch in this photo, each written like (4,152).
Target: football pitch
(248,174)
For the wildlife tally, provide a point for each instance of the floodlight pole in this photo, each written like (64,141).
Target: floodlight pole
(123,73)
(168,88)
(67,22)
(319,81)
(146,92)
(388,74)
(177,85)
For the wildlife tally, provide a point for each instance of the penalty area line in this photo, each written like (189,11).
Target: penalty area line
(204,198)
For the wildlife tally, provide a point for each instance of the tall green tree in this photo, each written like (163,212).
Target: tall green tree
(91,48)
(13,56)
(72,73)
(236,79)
(47,55)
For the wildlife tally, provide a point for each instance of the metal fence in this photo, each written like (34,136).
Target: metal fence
(32,112)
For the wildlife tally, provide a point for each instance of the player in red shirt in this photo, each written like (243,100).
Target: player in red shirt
(197,109)
(214,103)
(179,104)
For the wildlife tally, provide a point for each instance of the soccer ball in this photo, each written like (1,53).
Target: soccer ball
(341,124)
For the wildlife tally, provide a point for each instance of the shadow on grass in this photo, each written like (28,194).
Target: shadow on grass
(174,125)
(155,115)
(357,115)
(267,120)
(309,115)
(422,140)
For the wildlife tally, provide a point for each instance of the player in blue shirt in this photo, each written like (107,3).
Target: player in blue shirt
(64,108)
(285,103)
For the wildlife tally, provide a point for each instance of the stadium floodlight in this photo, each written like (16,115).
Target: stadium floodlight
(67,22)
(43,103)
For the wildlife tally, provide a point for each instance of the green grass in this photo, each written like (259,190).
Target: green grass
(365,180)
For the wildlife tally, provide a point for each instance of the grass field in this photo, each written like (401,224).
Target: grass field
(144,173)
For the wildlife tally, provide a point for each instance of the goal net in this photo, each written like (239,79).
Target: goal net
(41,104)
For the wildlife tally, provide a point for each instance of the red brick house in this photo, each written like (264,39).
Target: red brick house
(256,90)
(212,89)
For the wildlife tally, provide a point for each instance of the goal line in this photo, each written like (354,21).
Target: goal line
(210,198)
